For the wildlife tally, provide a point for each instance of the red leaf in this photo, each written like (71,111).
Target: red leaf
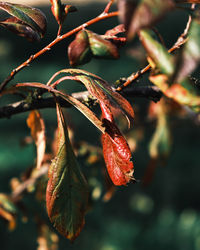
(117,154)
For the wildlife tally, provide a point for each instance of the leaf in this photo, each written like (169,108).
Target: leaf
(101,47)
(161,140)
(18,27)
(182,93)
(116,30)
(60,10)
(36,123)
(33,18)
(157,52)
(57,9)
(147,13)
(73,101)
(101,90)
(87,44)
(67,191)
(8,211)
(79,51)
(126,10)
(116,152)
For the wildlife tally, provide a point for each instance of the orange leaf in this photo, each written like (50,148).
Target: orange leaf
(36,124)
(117,154)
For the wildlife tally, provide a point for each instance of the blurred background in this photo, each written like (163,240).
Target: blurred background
(162,215)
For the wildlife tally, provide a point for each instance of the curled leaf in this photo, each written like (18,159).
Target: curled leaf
(79,51)
(32,18)
(101,90)
(101,47)
(116,152)
(36,124)
(67,191)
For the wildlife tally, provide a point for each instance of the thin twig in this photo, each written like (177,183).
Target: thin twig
(22,188)
(180,41)
(107,8)
(54,42)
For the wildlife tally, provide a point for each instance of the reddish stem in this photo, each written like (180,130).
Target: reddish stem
(57,40)
(107,8)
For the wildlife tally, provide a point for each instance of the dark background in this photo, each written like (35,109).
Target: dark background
(165,214)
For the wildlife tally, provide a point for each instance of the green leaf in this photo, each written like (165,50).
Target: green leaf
(29,16)
(157,52)
(79,51)
(67,190)
(73,101)
(101,47)
(101,90)
(147,13)
(160,143)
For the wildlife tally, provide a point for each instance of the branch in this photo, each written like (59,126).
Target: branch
(54,42)
(22,188)
(180,41)
(150,92)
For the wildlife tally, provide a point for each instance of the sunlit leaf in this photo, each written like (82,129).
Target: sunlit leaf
(182,93)
(101,90)
(67,191)
(79,51)
(147,13)
(8,211)
(33,18)
(57,9)
(116,30)
(60,10)
(73,101)
(116,152)
(102,48)
(18,27)
(157,52)
(36,123)
(161,140)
